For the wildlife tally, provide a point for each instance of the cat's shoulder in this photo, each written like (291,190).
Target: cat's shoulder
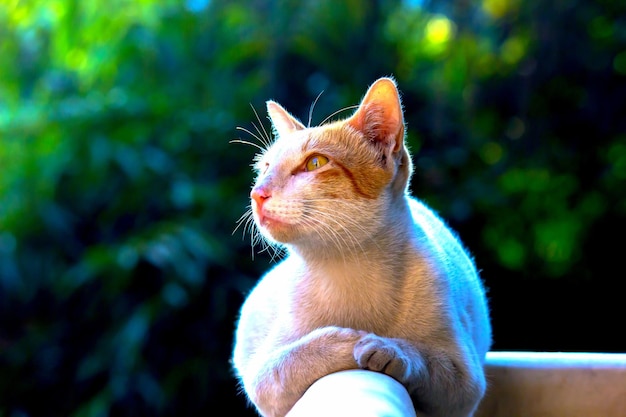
(430,223)
(422,213)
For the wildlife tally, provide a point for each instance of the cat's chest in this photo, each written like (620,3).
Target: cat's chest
(345,295)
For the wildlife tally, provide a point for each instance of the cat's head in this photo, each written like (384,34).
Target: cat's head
(331,186)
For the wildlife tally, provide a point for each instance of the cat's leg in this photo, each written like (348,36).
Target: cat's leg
(441,383)
(286,372)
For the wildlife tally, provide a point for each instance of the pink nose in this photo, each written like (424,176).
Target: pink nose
(259,195)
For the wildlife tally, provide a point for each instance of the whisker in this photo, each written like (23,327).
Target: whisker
(267,141)
(337,112)
(274,250)
(245,142)
(336,227)
(324,233)
(256,136)
(345,242)
(313,106)
(278,252)
(245,220)
(350,221)
(265,134)
(256,237)
(343,223)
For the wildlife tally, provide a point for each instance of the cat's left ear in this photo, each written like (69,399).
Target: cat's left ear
(283,122)
(379,116)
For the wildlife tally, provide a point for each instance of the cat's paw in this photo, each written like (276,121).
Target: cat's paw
(384,355)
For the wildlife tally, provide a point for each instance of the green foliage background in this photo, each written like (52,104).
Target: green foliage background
(120,275)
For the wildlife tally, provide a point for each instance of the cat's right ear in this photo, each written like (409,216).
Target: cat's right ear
(283,122)
(379,116)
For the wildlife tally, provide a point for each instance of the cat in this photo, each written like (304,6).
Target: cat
(372,278)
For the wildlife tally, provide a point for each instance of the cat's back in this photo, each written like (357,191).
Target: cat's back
(456,268)
(433,232)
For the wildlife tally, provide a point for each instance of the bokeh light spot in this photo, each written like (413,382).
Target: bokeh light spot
(600,28)
(556,239)
(497,8)
(491,153)
(513,50)
(511,253)
(439,30)
(619,63)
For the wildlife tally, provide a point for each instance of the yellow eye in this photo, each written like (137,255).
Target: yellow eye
(315,162)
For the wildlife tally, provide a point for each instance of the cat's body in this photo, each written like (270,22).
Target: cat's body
(373,279)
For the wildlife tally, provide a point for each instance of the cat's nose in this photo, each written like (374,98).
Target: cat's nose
(259,195)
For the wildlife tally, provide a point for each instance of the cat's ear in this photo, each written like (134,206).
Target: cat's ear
(282,121)
(379,116)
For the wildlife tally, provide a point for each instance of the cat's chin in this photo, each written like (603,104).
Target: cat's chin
(276,230)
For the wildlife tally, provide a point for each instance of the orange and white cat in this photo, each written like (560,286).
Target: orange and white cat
(373,279)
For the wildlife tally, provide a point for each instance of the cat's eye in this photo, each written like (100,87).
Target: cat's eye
(315,162)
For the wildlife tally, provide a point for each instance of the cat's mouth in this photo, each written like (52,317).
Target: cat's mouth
(273,227)
(269,223)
